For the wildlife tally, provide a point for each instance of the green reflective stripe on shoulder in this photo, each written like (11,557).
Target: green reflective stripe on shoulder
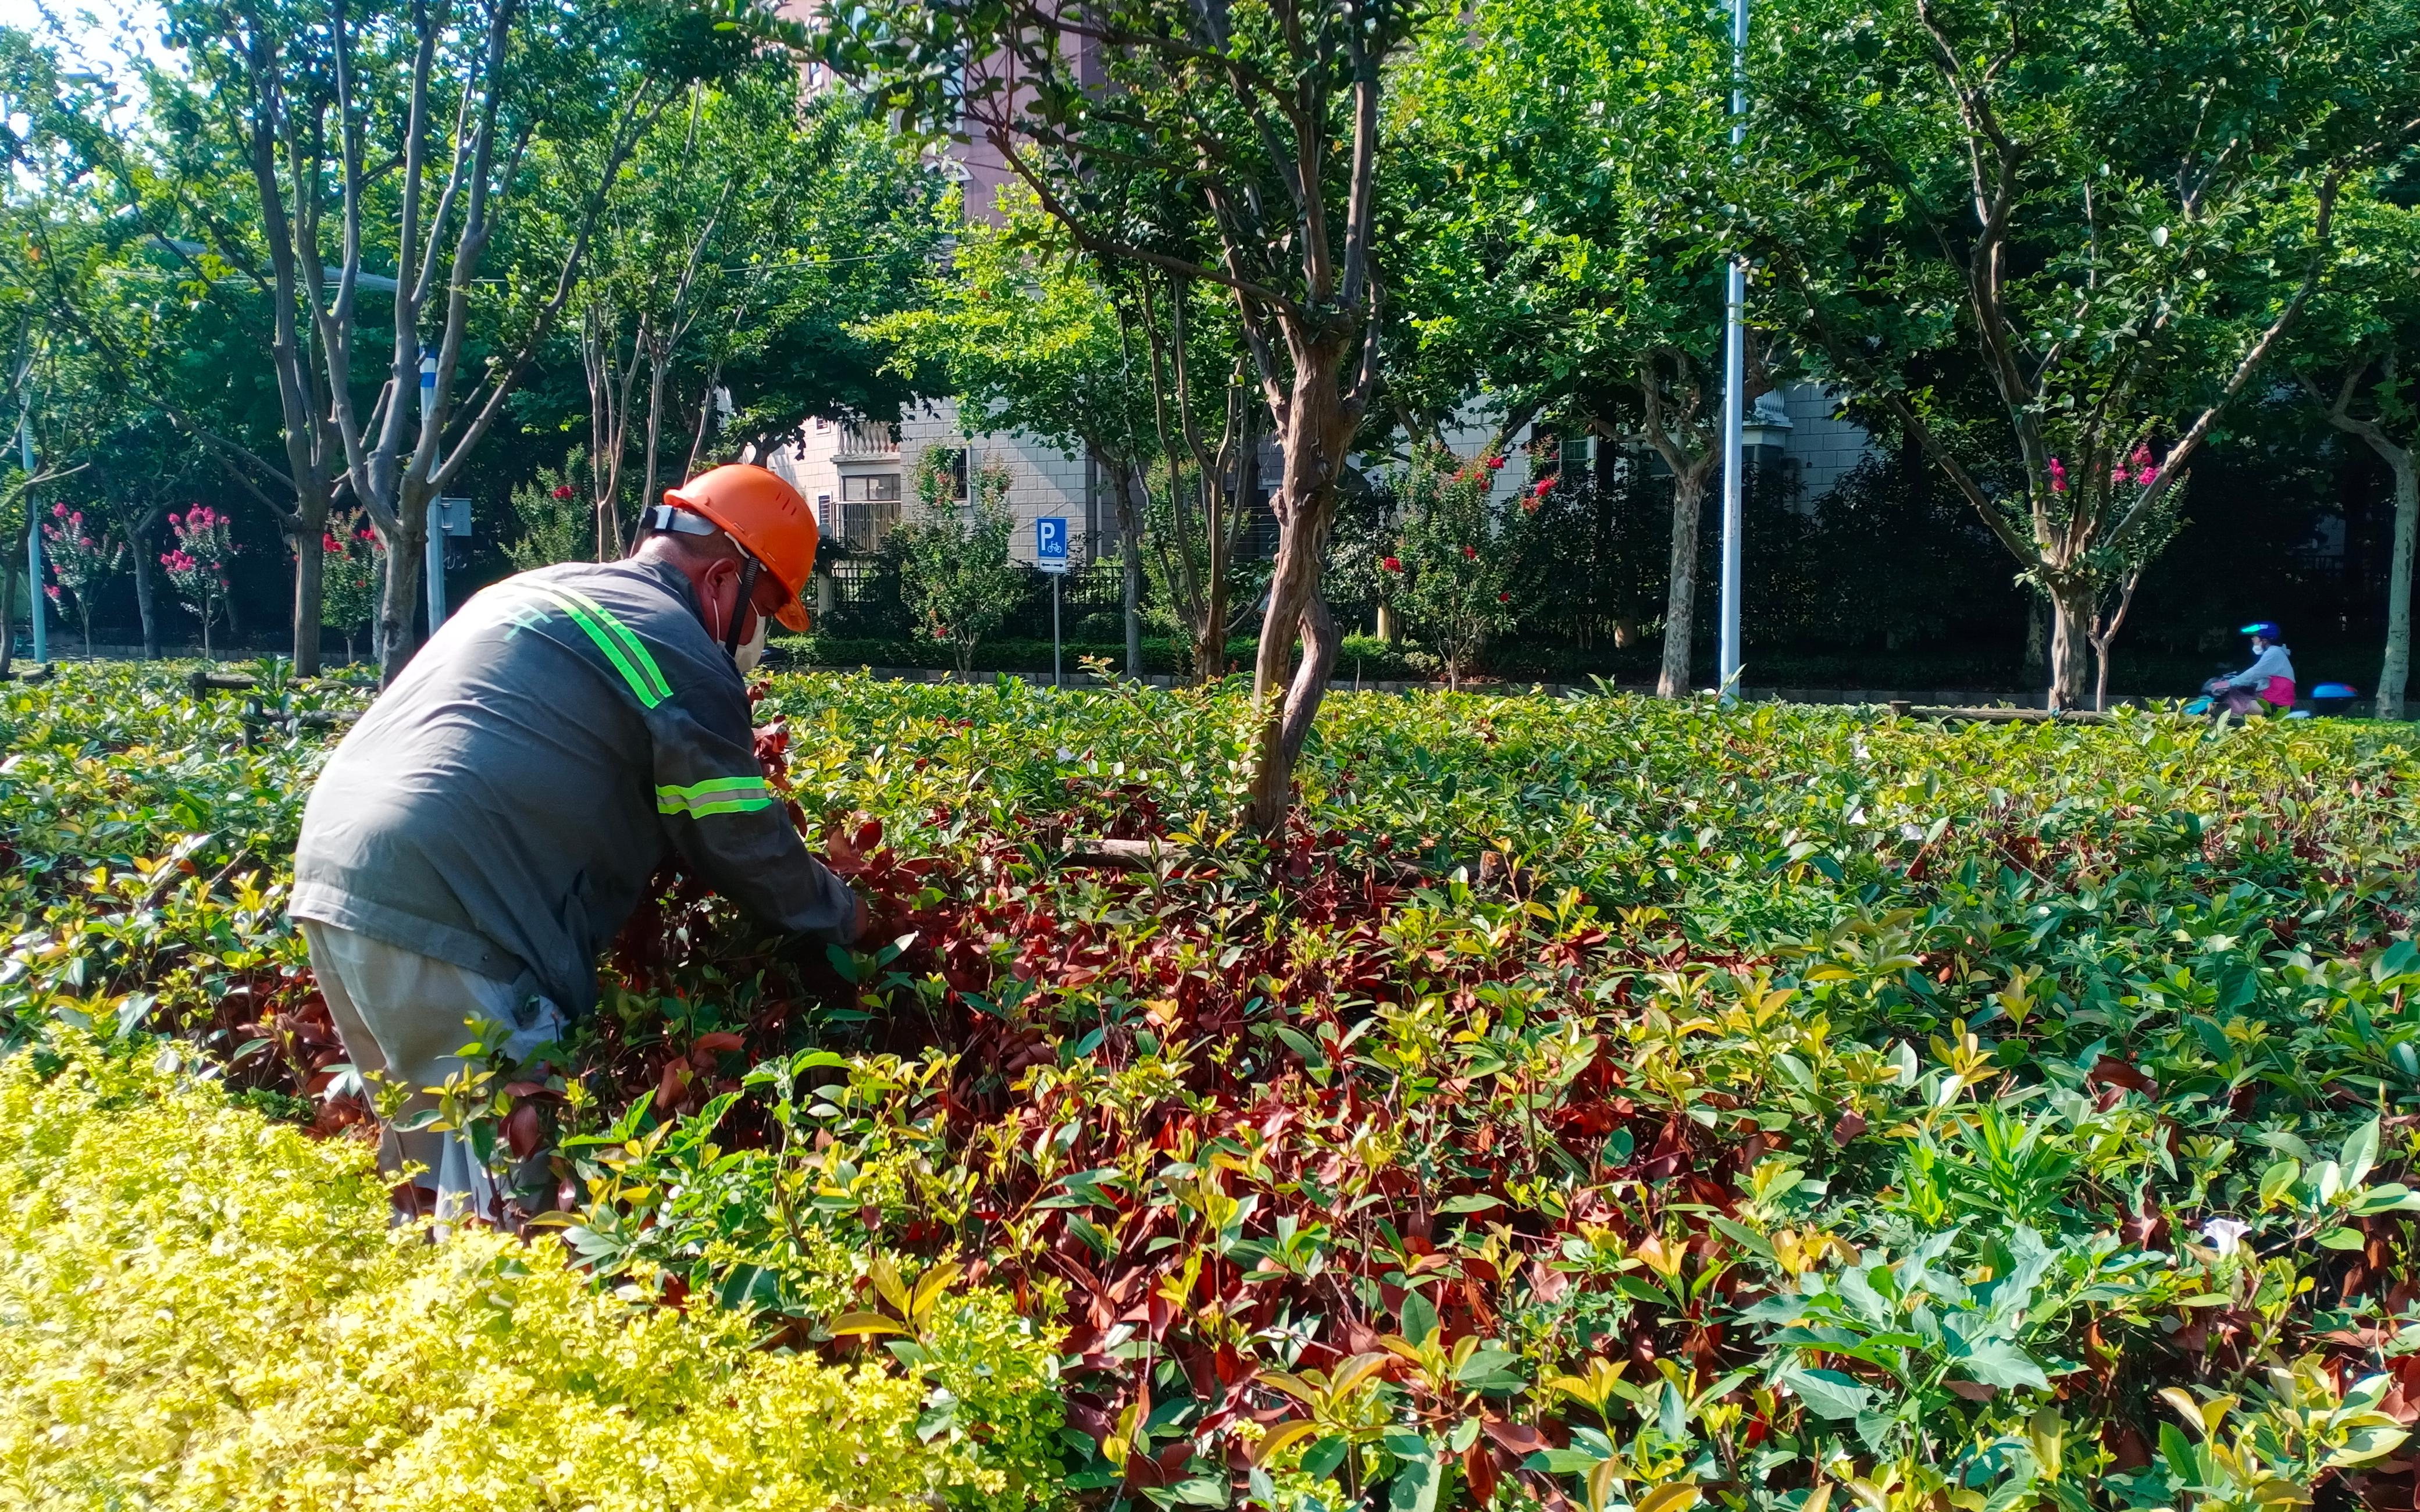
(636,648)
(611,637)
(717,795)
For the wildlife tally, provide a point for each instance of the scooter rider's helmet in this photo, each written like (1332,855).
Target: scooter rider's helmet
(2267,630)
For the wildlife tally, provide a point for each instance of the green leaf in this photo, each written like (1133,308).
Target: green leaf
(2347,1239)
(1828,1393)
(2359,1154)
(2000,1362)
(1414,1487)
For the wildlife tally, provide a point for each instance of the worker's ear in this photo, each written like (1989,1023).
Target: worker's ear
(720,583)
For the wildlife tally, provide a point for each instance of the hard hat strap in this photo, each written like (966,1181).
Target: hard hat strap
(739,609)
(680,521)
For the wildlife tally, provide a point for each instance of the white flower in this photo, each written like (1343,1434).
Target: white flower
(2224,1234)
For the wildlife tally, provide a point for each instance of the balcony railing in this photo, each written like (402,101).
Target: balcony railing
(865,441)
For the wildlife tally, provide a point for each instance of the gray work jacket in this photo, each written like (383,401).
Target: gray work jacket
(503,804)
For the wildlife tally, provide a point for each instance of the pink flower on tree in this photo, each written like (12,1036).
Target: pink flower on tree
(1470,554)
(2057,476)
(563,490)
(80,561)
(2146,472)
(196,564)
(1391,563)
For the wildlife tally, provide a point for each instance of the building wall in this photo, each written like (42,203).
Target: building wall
(1823,446)
(1042,479)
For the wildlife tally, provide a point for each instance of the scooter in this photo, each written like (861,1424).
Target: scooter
(2327,701)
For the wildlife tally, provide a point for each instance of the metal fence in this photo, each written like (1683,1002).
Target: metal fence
(865,599)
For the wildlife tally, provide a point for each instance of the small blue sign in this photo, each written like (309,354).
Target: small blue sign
(1051,543)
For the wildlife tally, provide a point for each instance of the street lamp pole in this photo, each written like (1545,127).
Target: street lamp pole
(33,540)
(1734,380)
(435,552)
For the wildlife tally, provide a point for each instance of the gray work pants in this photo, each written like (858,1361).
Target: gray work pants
(404,1016)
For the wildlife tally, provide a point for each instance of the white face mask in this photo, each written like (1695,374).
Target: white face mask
(750,650)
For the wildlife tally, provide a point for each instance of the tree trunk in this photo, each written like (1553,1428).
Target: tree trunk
(2072,605)
(2394,672)
(2036,637)
(1130,570)
(310,575)
(146,599)
(1317,436)
(394,637)
(1681,598)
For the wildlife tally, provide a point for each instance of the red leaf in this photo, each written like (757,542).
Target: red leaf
(1517,1438)
(2112,1071)
(521,1130)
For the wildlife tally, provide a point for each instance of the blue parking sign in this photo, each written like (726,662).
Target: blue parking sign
(1051,543)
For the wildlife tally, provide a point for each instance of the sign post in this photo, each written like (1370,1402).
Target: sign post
(1050,555)
(33,542)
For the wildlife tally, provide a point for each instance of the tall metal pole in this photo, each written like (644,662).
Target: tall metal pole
(1734,379)
(33,539)
(435,551)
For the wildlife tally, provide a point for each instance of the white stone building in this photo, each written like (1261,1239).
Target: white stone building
(856,472)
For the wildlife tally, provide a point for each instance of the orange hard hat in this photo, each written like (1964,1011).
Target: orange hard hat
(760,510)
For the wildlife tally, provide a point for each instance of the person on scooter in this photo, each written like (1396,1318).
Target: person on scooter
(2266,686)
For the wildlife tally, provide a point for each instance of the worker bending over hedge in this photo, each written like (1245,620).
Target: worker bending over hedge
(481,835)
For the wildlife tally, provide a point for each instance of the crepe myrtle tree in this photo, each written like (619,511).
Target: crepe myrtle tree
(2118,209)
(1263,123)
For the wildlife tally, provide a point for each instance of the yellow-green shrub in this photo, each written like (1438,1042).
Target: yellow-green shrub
(200,1309)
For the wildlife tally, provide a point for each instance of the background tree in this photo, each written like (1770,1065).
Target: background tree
(201,544)
(2356,360)
(556,523)
(351,566)
(81,560)
(1451,572)
(755,226)
(287,154)
(1267,118)
(2118,210)
(1028,338)
(955,570)
(1579,167)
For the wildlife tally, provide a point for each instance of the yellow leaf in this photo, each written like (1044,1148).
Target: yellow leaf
(865,1323)
(1671,1497)
(2185,1406)
(929,1288)
(1600,1485)
(887,1284)
(1280,1438)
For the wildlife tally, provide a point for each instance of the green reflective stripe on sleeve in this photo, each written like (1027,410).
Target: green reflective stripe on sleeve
(611,637)
(719,795)
(700,811)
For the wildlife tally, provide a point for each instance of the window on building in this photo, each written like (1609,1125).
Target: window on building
(869,508)
(954,465)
